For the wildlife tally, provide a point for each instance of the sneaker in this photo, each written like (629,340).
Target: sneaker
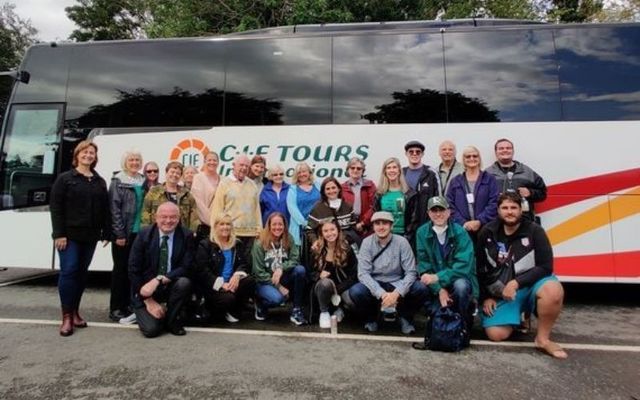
(129,320)
(339,314)
(261,314)
(371,327)
(297,317)
(230,318)
(325,320)
(406,327)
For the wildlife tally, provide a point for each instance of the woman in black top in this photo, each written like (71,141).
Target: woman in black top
(80,217)
(335,270)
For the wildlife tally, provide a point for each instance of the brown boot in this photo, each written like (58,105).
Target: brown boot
(78,321)
(66,328)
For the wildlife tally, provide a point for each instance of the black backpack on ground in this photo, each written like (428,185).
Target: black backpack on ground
(447,331)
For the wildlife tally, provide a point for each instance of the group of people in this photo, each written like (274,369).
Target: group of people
(450,236)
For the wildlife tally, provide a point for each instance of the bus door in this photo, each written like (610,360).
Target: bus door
(29,165)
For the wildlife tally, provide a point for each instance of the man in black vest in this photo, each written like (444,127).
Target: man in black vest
(421,178)
(158,266)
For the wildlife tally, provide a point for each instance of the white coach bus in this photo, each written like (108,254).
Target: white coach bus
(568,96)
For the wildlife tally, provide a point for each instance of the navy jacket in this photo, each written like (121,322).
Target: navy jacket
(144,259)
(269,201)
(485,194)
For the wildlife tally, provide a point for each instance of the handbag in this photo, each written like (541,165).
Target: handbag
(446,331)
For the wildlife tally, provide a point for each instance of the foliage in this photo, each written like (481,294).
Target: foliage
(108,19)
(16,35)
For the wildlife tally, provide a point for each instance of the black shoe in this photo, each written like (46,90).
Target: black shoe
(117,315)
(178,331)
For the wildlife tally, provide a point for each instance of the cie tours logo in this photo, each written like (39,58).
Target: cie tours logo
(189,152)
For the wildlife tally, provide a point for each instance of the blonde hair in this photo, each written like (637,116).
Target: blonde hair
(128,154)
(274,168)
(266,238)
(213,236)
(81,146)
(296,171)
(384,184)
(472,149)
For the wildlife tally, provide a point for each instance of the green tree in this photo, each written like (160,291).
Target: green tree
(16,35)
(574,10)
(108,19)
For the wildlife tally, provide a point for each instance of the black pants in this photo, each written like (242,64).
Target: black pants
(175,294)
(247,242)
(222,302)
(120,284)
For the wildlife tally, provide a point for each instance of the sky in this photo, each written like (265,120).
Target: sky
(47,16)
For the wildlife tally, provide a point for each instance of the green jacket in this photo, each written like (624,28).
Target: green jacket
(459,259)
(266,261)
(158,195)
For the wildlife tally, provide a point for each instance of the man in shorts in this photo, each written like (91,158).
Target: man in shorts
(515,270)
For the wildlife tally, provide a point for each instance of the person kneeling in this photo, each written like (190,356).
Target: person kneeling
(158,267)
(335,270)
(387,275)
(446,261)
(276,268)
(222,271)
(515,270)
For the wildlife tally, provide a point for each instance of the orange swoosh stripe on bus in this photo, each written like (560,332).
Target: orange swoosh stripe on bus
(603,214)
(566,193)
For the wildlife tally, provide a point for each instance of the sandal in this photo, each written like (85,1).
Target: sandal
(553,349)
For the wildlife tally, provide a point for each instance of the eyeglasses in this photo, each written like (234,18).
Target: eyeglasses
(471,156)
(416,152)
(151,171)
(356,168)
(278,174)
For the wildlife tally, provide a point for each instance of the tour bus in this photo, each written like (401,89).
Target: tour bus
(568,96)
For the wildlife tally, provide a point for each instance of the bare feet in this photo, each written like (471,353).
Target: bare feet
(551,348)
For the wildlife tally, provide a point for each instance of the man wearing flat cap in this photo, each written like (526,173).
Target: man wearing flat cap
(421,178)
(387,277)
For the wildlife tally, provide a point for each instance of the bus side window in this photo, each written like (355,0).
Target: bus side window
(29,154)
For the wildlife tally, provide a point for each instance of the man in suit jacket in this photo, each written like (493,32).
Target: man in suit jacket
(160,259)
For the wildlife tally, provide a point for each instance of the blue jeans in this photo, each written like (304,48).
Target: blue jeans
(461,293)
(74,264)
(294,279)
(367,306)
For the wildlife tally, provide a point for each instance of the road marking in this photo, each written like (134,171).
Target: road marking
(28,278)
(340,336)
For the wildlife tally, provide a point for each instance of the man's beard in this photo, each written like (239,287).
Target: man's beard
(511,223)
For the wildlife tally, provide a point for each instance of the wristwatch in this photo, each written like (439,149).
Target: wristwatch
(159,278)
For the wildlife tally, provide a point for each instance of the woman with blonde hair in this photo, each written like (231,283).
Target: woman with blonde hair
(473,195)
(277,269)
(223,272)
(274,194)
(395,196)
(303,194)
(126,194)
(79,218)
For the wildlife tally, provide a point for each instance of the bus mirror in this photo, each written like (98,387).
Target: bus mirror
(23,76)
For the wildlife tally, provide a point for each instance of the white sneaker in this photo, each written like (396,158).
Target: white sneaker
(230,318)
(130,320)
(325,320)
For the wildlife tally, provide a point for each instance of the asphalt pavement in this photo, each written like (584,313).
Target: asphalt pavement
(600,328)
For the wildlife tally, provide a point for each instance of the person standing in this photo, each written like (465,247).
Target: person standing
(516,177)
(360,193)
(237,196)
(79,218)
(151,176)
(159,267)
(203,191)
(274,194)
(302,196)
(333,207)
(449,166)
(473,195)
(126,194)
(421,178)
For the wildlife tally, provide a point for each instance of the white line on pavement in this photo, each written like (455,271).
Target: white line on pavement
(340,336)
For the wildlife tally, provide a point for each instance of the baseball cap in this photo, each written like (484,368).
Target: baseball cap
(382,216)
(437,201)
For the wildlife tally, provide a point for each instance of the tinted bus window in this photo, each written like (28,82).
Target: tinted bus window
(502,76)
(278,81)
(599,73)
(48,69)
(388,79)
(6,84)
(165,83)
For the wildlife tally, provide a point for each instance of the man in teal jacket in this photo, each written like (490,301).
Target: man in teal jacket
(446,260)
